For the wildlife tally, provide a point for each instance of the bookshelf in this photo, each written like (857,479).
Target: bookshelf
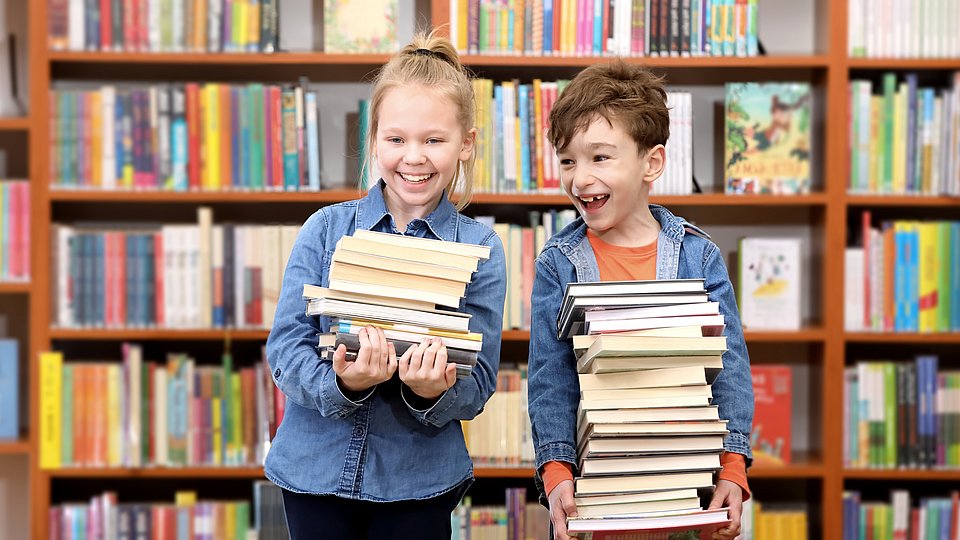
(819,472)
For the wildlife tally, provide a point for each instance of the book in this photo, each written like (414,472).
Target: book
(638,446)
(372,260)
(643,403)
(769,283)
(642,483)
(767,142)
(388,278)
(360,26)
(699,523)
(624,509)
(570,320)
(661,414)
(651,496)
(654,429)
(651,378)
(467,341)
(613,364)
(643,393)
(711,325)
(311,292)
(438,319)
(606,466)
(674,310)
(416,242)
(9,389)
(365,244)
(465,360)
(772,414)
(614,345)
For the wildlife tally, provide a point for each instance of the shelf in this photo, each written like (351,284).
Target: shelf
(14,288)
(803,465)
(217,59)
(320,58)
(339,195)
(14,447)
(235,472)
(904,63)
(911,338)
(952,475)
(14,124)
(902,200)
(155,334)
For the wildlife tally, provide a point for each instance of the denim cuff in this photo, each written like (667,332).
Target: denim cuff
(739,443)
(434,416)
(343,405)
(557,451)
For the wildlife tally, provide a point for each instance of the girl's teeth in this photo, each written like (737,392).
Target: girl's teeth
(415,178)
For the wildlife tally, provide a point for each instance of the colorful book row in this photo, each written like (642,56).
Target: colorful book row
(162,25)
(14,230)
(901,415)
(143,413)
(903,28)
(905,278)
(601,27)
(933,518)
(517,519)
(186,518)
(184,137)
(171,276)
(906,138)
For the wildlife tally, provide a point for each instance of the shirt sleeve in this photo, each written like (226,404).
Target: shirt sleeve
(735,470)
(298,370)
(555,472)
(483,300)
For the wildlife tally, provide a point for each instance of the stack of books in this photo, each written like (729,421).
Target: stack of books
(405,285)
(648,438)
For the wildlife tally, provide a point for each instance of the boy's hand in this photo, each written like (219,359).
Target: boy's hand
(376,361)
(730,495)
(562,506)
(425,370)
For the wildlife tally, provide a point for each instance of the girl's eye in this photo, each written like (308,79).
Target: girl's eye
(395,140)
(433,141)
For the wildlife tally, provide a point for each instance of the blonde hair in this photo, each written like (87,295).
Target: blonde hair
(431,61)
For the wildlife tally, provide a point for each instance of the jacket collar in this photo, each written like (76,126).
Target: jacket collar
(441,223)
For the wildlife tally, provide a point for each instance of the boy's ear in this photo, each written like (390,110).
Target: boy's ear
(656,161)
(466,149)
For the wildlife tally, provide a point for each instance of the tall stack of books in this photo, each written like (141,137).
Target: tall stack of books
(400,284)
(648,438)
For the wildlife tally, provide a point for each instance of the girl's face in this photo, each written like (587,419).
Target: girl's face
(419,145)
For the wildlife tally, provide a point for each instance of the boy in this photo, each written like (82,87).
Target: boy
(609,128)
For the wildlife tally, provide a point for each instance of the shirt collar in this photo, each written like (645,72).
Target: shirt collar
(442,222)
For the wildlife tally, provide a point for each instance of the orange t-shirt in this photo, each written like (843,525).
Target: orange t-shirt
(618,263)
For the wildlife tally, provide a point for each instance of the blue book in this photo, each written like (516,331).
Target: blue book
(523,91)
(547,27)
(9,386)
(313,142)
(598,36)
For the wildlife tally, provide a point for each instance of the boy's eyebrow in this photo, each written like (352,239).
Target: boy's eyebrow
(596,145)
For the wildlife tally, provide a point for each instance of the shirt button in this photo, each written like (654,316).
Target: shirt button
(358,432)
(277,373)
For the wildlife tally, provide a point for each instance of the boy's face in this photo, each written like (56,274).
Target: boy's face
(607,177)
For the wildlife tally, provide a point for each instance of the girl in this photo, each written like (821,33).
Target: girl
(373,448)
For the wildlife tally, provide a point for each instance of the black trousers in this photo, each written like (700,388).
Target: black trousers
(312,517)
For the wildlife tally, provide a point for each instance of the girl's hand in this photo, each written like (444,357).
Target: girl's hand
(562,506)
(425,370)
(728,494)
(376,361)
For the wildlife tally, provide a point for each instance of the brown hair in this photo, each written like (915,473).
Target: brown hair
(630,94)
(430,61)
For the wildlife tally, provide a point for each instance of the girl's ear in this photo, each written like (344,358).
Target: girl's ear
(469,141)
(656,161)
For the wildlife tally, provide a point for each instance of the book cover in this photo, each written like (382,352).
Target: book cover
(769,287)
(360,26)
(767,138)
(772,413)
(9,386)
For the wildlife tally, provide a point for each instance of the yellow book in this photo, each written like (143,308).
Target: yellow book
(519,11)
(240,24)
(236,404)
(96,137)
(538,138)
(569,46)
(51,382)
(929,275)
(900,140)
(216,405)
(231,520)
(114,424)
(253,30)
(185,498)
(875,155)
(504,21)
(472,336)
(211,136)
(461,22)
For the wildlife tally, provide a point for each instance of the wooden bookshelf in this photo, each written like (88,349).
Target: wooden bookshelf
(14,124)
(14,288)
(831,72)
(15,447)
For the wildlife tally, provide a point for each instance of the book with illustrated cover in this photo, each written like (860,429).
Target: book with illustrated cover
(360,26)
(767,142)
(772,414)
(769,288)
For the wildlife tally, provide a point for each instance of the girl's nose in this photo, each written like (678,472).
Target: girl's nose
(413,155)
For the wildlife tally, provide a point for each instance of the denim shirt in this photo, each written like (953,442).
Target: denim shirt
(683,251)
(379,448)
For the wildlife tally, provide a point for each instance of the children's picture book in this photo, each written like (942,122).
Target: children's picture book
(772,414)
(767,138)
(360,26)
(769,283)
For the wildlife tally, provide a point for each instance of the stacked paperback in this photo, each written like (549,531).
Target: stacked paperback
(400,284)
(648,438)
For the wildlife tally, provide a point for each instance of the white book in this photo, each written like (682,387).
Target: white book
(216,272)
(76,26)
(160,432)
(272,272)
(192,271)
(205,240)
(108,172)
(239,267)
(770,283)
(853,290)
(133,364)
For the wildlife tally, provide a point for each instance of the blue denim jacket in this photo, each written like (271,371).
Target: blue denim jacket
(380,448)
(683,251)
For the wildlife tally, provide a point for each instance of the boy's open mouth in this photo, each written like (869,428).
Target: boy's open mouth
(416,178)
(593,202)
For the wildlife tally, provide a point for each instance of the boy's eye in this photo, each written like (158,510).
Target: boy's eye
(601,158)
(566,162)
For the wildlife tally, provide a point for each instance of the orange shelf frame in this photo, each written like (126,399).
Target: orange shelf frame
(15,288)
(943,338)
(14,124)
(902,200)
(15,447)
(904,63)
(939,475)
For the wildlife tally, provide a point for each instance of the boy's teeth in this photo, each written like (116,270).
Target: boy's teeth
(591,199)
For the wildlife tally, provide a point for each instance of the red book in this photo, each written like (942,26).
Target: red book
(772,414)
(106,26)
